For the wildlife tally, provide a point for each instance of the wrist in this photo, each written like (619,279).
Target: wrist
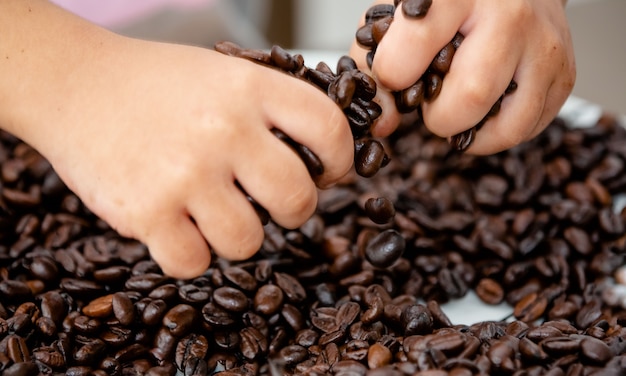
(49,57)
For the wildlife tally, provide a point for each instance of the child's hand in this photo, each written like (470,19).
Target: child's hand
(154,138)
(523,40)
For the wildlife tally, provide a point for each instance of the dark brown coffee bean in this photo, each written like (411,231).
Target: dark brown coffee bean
(370,158)
(379,11)
(432,85)
(380,27)
(463,140)
(193,294)
(342,89)
(595,350)
(240,278)
(230,299)
(268,299)
(293,354)
(531,307)
(442,61)
(531,351)
(17,349)
(417,320)
(346,64)
(21,369)
(86,325)
(415,8)
(180,319)
(365,37)
(253,343)
(385,248)
(153,312)
(311,161)
(282,59)
(380,210)
(489,291)
(411,98)
(90,352)
(560,346)
(123,308)
(290,286)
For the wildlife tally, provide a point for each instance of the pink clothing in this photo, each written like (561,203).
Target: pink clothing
(112,13)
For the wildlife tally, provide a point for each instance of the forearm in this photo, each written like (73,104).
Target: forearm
(47,54)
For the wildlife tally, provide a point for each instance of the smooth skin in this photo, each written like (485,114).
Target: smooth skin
(523,40)
(153,137)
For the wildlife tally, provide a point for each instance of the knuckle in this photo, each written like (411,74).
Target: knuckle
(300,205)
(245,242)
(477,94)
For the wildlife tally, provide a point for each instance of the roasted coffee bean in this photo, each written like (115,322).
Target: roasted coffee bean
(489,291)
(415,8)
(380,210)
(230,299)
(432,86)
(531,307)
(365,36)
(240,278)
(385,248)
(291,287)
(268,299)
(123,308)
(311,161)
(463,140)
(370,158)
(380,27)
(253,343)
(442,61)
(379,11)
(411,98)
(180,319)
(154,311)
(342,89)
(17,349)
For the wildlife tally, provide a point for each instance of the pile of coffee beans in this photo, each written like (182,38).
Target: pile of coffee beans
(534,227)
(378,18)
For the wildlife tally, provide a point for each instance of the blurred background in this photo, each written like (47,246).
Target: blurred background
(598,31)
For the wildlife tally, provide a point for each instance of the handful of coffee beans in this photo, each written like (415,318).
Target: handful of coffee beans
(377,21)
(352,90)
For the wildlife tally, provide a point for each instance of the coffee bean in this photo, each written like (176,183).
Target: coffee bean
(380,210)
(370,158)
(231,299)
(463,140)
(268,299)
(415,8)
(385,248)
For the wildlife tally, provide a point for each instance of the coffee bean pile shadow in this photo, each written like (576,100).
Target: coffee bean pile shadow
(427,88)
(533,227)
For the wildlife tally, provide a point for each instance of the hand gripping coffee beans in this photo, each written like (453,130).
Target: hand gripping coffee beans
(352,90)
(427,88)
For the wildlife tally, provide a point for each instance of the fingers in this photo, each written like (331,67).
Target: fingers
(390,118)
(481,70)
(410,45)
(310,118)
(278,180)
(226,218)
(178,247)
